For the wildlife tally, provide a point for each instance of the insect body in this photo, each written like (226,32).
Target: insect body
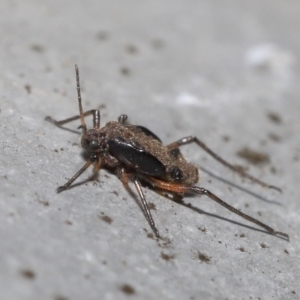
(137,155)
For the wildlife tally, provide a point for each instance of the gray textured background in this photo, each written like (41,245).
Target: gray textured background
(216,69)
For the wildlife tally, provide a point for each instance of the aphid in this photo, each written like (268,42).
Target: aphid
(137,155)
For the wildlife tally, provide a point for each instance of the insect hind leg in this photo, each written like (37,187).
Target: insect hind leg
(182,189)
(202,191)
(194,139)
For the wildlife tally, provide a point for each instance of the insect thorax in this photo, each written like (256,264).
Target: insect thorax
(176,168)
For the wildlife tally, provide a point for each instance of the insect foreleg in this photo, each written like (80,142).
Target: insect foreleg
(95,113)
(68,184)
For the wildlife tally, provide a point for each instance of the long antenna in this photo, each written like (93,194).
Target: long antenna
(83,125)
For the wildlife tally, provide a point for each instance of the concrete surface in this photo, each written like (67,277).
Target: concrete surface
(226,71)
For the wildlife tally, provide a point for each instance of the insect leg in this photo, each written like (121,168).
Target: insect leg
(183,189)
(193,139)
(201,191)
(67,185)
(95,113)
(96,169)
(125,178)
(122,119)
(145,206)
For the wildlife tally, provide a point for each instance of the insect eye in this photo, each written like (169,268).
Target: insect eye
(93,145)
(175,173)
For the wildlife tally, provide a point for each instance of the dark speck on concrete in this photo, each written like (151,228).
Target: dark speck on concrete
(105,218)
(131,49)
(202,257)
(29,274)
(37,48)
(253,157)
(274,117)
(27,87)
(167,257)
(127,289)
(102,35)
